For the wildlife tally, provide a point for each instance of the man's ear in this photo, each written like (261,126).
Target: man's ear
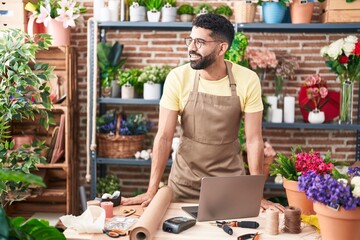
(223,48)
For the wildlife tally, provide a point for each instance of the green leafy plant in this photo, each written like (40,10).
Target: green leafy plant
(130,76)
(140,2)
(154,5)
(108,184)
(186,9)
(109,61)
(203,8)
(23,83)
(237,51)
(224,10)
(170,2)
(155,74)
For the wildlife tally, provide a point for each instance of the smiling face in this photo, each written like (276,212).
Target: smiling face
(208,53)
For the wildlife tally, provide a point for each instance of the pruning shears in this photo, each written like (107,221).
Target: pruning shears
(114,233)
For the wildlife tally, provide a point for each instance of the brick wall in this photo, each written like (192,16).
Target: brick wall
(156,47)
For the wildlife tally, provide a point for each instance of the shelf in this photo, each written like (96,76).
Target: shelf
(132,101)
(128,161)
(312,126)
(52,165)
(246,27)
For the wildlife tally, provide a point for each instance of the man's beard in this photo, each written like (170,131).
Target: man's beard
(203,62)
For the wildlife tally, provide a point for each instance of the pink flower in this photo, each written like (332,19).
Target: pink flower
(316,91)
(44,15)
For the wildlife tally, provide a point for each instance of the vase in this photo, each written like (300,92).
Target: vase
(296,198)
(106,91)
(273,12)
(152,91)
(346,102)
(316,116)
(338,224)
(60,35)
(186,17)
(137,13)
(153,16)
(301,12)
(127,91)
(168,13)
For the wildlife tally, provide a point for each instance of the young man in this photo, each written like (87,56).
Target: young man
(210,95)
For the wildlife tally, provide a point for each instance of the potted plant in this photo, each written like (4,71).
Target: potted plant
(121,135)
(186,12)
(245,11)
(203,8)
(336,198)
(137,10)
(23,84)
(224,10)
(57,18)
(154,9)
(109,62)
(237,51)
(299,163)
(108,184)
(128,80)
(301,11)
(168,11)
(285,70)
(152,77)
(273,10)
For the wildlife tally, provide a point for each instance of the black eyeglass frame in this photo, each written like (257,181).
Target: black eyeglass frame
(198,45)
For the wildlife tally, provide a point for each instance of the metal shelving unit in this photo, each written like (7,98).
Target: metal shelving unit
(317,28)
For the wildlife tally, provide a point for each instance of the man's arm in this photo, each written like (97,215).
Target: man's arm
(160,155)
(254,142)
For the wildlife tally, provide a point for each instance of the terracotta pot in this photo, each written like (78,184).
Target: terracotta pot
(20,140)
(341,224)
(60,35)
(301,12)
(296,198)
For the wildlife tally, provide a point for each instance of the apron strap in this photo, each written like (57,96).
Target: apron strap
(231,78)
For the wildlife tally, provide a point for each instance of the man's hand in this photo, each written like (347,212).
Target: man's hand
(143,199)
(265,204)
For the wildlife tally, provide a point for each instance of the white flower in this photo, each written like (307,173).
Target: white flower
(356,181)
(351,39)
(348,48)
(324,51)
(356,192)
(343,181)
(335,48)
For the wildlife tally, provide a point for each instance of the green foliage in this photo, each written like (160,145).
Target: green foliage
(109,61)
(108,184)
(237,51)
(23,83)
(186,9)
(140,2)
(129,76)
(155,74)
(171,2)
(203,8)
(33,229)
(223,10)
(285,166)
(154,5)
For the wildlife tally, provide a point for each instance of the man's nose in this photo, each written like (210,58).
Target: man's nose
(192,46)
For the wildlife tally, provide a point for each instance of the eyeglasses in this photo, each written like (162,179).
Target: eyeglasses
(253,236)
(197,41)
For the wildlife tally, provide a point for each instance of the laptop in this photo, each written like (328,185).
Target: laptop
(231,197)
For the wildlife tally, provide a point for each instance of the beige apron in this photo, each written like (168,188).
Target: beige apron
(209,144)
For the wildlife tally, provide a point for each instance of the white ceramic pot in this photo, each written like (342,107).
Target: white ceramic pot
(137,13)
(186,17)
(316,116)
(168,13)
(152,91)
(153,16)
(127,91)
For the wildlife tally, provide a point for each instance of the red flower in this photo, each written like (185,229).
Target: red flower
(343,59)
(357,49)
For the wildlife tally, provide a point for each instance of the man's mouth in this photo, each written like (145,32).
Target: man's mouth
(194,57)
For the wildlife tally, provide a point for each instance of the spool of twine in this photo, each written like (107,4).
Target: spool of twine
(272,221)
(292,220)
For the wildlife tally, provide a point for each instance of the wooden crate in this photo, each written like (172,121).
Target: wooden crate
(13,14)
(335,11)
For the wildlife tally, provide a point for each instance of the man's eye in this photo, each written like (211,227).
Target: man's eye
(201,42)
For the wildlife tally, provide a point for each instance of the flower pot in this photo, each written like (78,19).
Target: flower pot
(106,91)
(244,12)
(273,12)
(152,90)
(116,89)
(296,198)
(137,13)
(20,140)
(301,11)
(341,224)
(168,14)
(153,16)
(316,116)
(59,34)
(186,17)
(127,91)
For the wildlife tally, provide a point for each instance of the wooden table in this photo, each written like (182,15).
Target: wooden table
(206,231)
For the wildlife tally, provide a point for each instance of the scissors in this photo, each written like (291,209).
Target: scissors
(114,233)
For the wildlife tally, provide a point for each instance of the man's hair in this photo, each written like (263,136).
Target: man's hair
(221,27)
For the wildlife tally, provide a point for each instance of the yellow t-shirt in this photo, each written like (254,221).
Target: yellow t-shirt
(180,81)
